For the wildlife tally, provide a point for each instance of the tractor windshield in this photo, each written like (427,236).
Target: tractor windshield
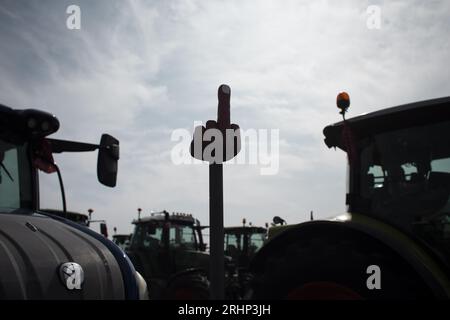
(149,235)
(15,177)
(182,236)
(242,243)
(256,241)
(403,177)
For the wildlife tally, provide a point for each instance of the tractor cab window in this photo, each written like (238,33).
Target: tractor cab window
(376,173)
(15,177)
(256,241)
(376,177)
(153,236)
(234,245)
(403,177)
(233,242)
(182,236)
(147,235)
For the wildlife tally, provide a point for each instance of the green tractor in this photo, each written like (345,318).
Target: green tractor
(122,240)
(242,243)
(394,240)
(168,250)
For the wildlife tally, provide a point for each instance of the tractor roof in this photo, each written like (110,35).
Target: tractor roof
(21,125)
(164,215)
(394,118)
(121,236)
(246,229)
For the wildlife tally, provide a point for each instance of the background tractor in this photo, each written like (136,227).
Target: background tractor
(44,255)
(122,240)
(81,218)
(242,243)
(168,250)
(394,241)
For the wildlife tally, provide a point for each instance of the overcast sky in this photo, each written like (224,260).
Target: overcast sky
(141,69)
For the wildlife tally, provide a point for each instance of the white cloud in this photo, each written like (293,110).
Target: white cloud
(140,69)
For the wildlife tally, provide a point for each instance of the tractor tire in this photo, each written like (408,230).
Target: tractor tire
(188,286)
(156,288)
(336,268)
(233,288)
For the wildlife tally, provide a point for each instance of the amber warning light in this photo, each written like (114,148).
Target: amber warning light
(343,102)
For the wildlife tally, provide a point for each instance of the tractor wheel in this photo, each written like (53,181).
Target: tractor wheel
(156,288)
(336,268)
(188,286)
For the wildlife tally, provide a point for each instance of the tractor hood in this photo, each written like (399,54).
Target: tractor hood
(42,258)
(195,259)
(191,259)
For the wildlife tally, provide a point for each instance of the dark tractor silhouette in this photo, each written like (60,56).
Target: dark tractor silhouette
(44,255)
(168,250)
(394,241)
(242,243)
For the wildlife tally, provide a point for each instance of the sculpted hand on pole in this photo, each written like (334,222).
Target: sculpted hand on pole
(222,133)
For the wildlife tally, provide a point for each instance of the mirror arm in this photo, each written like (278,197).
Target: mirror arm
(59,146)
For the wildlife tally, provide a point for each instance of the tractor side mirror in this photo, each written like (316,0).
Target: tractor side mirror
(104,229)
(108,157)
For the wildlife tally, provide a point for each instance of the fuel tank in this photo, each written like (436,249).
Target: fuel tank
(43,258)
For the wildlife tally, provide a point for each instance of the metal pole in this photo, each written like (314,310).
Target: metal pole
(217,261)
(217,274)
(216,239)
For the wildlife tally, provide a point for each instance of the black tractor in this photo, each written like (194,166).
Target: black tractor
(45,255)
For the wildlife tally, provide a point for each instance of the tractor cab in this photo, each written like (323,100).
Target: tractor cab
(25,150)
(399,168)
(164,243)
(168,230)
(53,255)
(168,250)
(397,224)
(241,243)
